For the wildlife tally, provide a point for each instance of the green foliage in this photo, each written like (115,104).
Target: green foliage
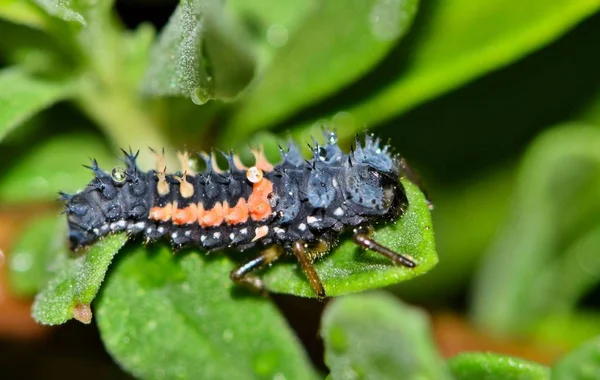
(360,37)
(75,282)
(75,83)
(547,236)
(581,364)
(474,366)
(162,317)
(374,336)
(198,54)
(24,96)
(459,41)
(36,177)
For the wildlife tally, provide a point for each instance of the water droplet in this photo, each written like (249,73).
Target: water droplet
(277,35)
(387,19)
(200,95)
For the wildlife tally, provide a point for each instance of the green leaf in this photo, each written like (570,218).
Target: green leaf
(349,269)
(52,166)
(34,253)
(165,316)
(22,96)
(336,45)
(75,282)
(521,275)
(567,330)
(581,364)
(375,336)
(270,23)
(21,12)
(199,54)
(63,9)
(476,366)
(458,41)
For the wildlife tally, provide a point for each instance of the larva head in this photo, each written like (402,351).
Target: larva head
(372,178)
(105,203)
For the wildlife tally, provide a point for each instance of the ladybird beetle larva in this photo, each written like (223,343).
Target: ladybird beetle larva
(296,207)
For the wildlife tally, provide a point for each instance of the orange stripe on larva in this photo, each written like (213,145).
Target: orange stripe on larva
(212,217)
(162,214)
(237,214)
(258,202)
(186,215)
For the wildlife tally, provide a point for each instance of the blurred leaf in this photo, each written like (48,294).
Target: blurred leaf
(199,54)
(336,45)
(64,9)
(461,233)
(350,269)
(75,282)
(476,366)
(457,41)
(136,46)
(179,317)
(575,273)
(55,164)
(375,336)
(512,288)
(270,23)
(566,330)
(581,364)
(35,252)
(22,96)
(21,12)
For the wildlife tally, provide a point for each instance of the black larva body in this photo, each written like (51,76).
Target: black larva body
(310,201)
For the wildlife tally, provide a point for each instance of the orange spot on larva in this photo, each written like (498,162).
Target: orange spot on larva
(237,214)
(212,217)
(162,214)
(264,187)
(258,202)
(186,215)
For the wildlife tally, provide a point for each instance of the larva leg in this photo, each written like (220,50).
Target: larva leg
(362,237)
(306,263)
(242,274)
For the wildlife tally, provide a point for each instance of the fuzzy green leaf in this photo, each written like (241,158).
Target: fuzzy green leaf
(75,282)
(164,316)
(581,364)
(53,165)
(270,24)
(199,54)
(66,10)
(458,41)
(476,366)
(349,269)
(336,45)
(375,336)
(22,96)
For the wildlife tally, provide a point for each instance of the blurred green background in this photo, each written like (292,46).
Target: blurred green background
(496,104)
